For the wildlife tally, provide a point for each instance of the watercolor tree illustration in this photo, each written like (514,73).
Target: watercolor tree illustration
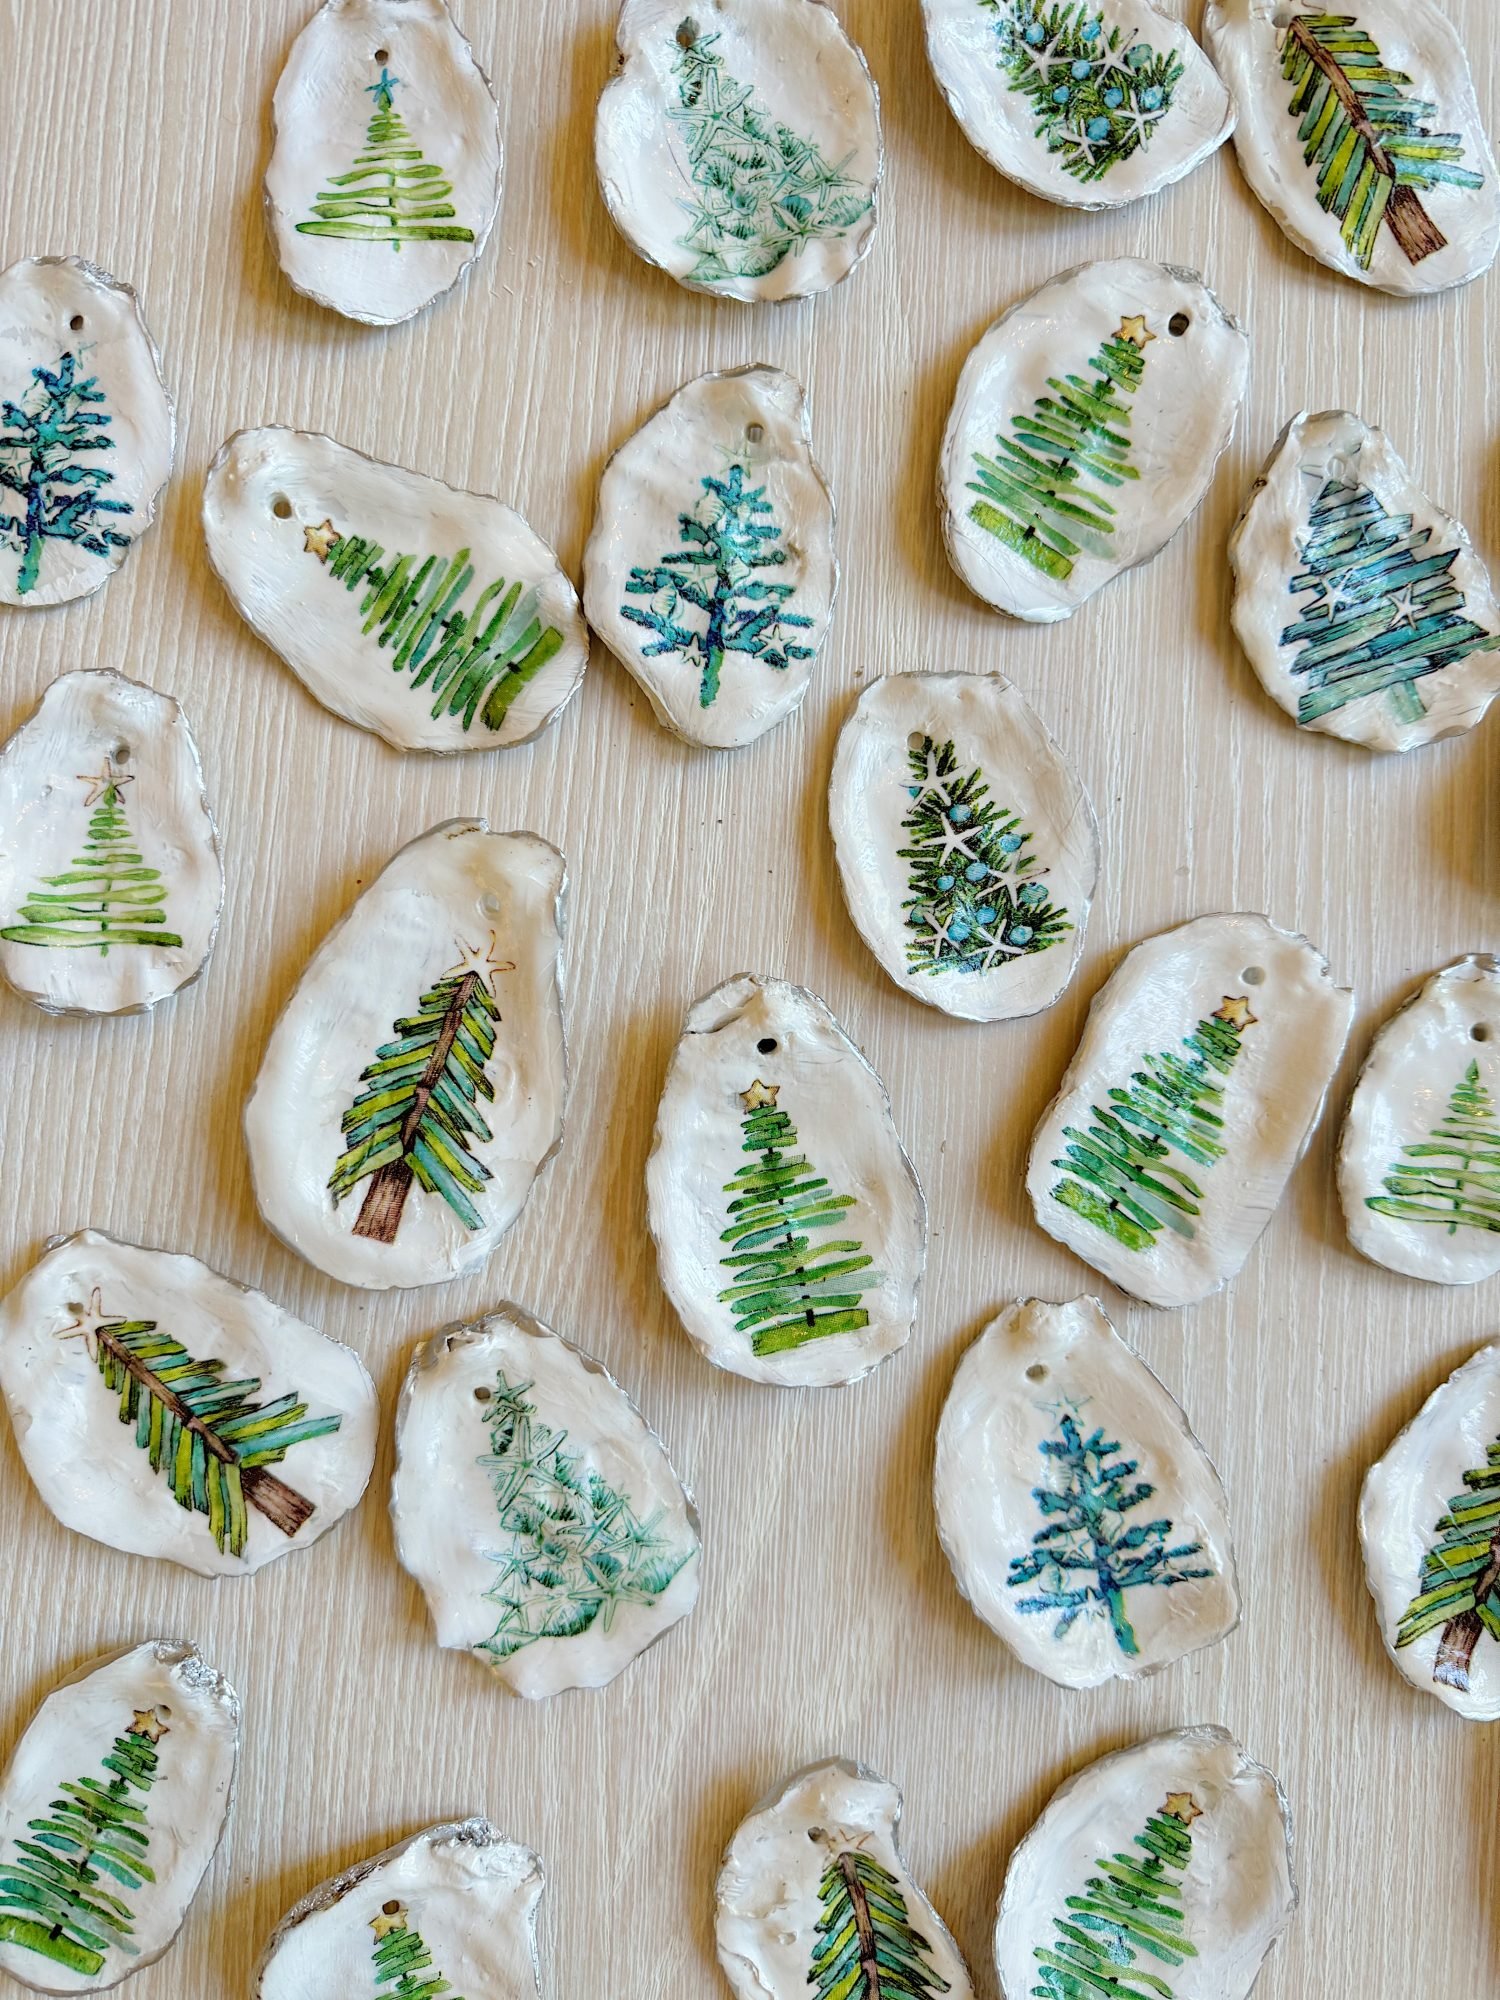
(1459,1588)
(1129,1923)
(1118,1172)
(1366,139)
(485,655)
(47,442)
(1097,92)
(971,906)
(1045,493)
(402,1964)
(60,1892)
(867,1947)
(1451,1178)
(787,1291)
(392,194)
(107,897)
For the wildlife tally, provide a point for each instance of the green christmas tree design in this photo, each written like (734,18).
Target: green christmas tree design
(59,1893)
(1459,1588)
(574,1549)
(403,1965)
(974,903)
(391,194)
(866,1945)
(107,897)
(1451,1178)
(1041,493)
(47,443)
(1129,1920)
(1118,1174)
(1098,93)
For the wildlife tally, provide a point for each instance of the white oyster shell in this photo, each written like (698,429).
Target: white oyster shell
(110,877)
(738,145)
(1338,537)
(1050,1400)
(439,619)
(729,458)
(810,1277)
(384,182)
(1419,238)
(1429,1518)
(476,919)
(1189,1809)
(156,1732)
(72,1336)
(502,1424)
(834,1827)
(1149,108)
(457,1903)
(921,759)
(76,357)
(1137,367)
(1224,1034)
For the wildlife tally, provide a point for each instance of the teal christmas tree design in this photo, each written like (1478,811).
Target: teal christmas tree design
(1098,93)
(48,443)
(392,194)
(1128,1927)
(107,896)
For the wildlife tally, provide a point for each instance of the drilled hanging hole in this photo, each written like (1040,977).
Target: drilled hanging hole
(817,1833)
(121,753)
(74,1306)
(1178,325)
(483,1395)
(916,741)
(1254,975)
(382,55)
(1479,1032)
(1037,1372)
(755,432)
(281,507)
(76,322)
(767,1045)
(390,1909)
(164,1712)
(687,32)
(490,903)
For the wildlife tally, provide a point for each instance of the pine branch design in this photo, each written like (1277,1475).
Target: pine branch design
(107,896)
(1099,95)
(1451,1178)
(403,1965)
(867,1947)
(1459,1588)
(1132,1909)
(42,445)
(391,194)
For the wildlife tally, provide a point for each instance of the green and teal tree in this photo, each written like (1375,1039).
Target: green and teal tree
(1382,611)
(45,444)
(866,1945)
(1129,1921)
(1045,493)
(1366,139)
(403,1966)
(59,1893)
(1097,92)
(972,906)
(108,896)
(391,194)
(1119,1173)
(1459,1588)
(1451,1178)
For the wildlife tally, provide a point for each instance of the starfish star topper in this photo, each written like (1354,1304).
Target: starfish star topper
(1235,1012)
(1133,327)
(760,1096)
(1182,1806)
(480,958)
(321,541)
(90,1318)
(392,1917)
(147,1723)
(100,782)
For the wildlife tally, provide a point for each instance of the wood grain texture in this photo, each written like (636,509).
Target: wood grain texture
(136,133)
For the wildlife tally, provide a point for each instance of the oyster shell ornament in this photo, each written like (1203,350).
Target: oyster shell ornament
(110,877)
(438,619)
(1429,1518)
(1361,133)
(1090,106)
(111,1810)
(711,573)
(1202,1071)
(384,181)
(790,1228)
(815,1898)
(1086,429)
(967,847)
(1084,1521)
(86,429)
(413,1089)
(1174,1853)
(1361,604)
(535,1507)
(738,145)
(453,1909)
(164,1411)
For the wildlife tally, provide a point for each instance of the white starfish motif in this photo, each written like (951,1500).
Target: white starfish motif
(1082,141)
(1044,59)
(1141,121)
(933,784)
(1120,59)
(956,841)
(996,950)
(86,1327)
(1405,609)
(479,958)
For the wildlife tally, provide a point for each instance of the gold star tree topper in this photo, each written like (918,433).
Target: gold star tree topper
(100,782)
(1133,327)
(147,1722)
(1182,1806)
(90,1318)
(480,958)
(1235,1012)
(760,1096)
(321,541)
(392,1917)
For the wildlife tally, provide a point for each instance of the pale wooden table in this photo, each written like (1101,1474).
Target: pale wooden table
(136,133)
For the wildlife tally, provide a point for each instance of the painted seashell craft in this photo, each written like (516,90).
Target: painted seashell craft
(1361,604)
(384,182)
(110,876)
(790,1228)
(413,1088)
(711,573)
(1085,431)
(967,847)
(1084,1521)
(536,1508)
(1202,1071)
(738,145)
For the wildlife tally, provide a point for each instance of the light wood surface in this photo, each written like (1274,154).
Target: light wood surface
(136,133)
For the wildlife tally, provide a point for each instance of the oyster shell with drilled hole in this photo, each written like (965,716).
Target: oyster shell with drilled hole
(968,849)
(111,1809)
(438,619)
(453,1909)
(711,572)
(1163,1868)
(738,145)
(790,1228)
(384,182)
(1086,429)
(814,1895)
(536,1508)
(1360,132)
(413,1089)
(1084,1521)
(1203,1068)
(165,1411)
(110,877)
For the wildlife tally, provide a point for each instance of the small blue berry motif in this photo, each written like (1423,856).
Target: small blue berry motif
(1098,94)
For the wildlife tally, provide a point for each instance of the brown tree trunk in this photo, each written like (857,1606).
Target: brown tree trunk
(1412,227)
(869,1962)
(385,1198)
(1455,1654)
